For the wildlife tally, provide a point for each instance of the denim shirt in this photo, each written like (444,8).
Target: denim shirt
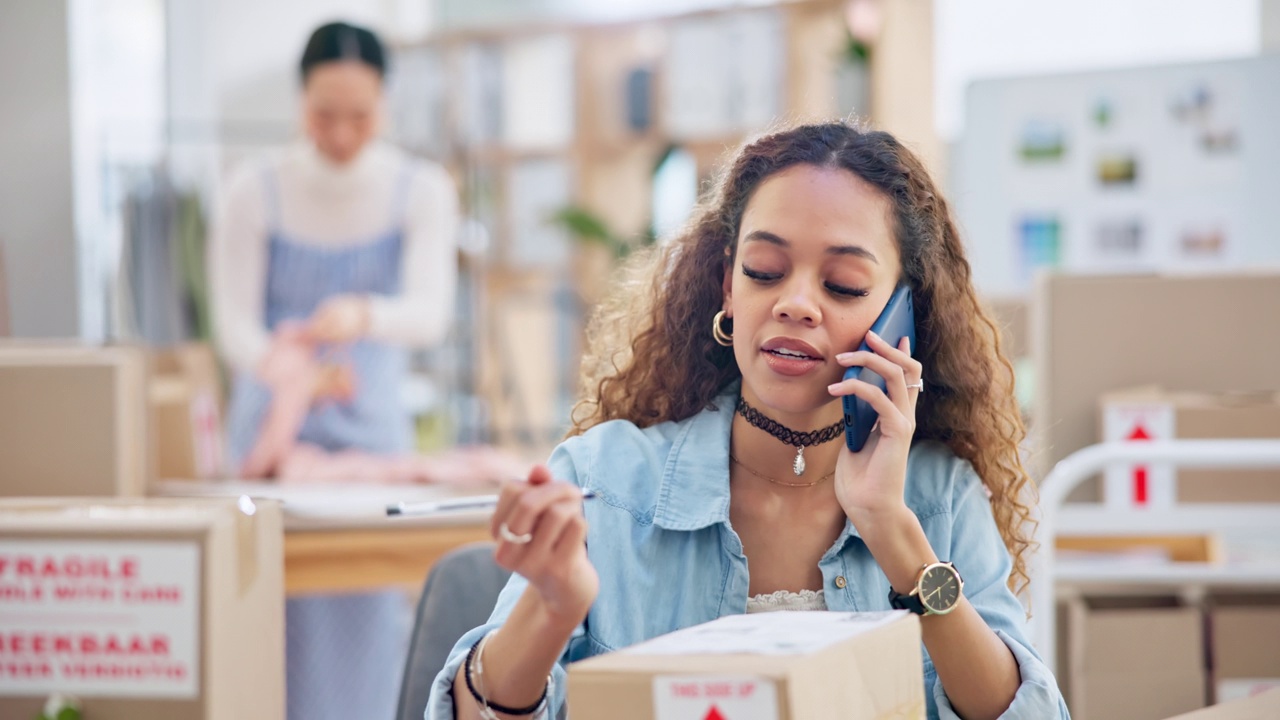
(660,539)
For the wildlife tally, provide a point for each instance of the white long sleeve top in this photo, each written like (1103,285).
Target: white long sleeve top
(333,206)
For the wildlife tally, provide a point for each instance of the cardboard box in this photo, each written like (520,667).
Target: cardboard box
(1094,334)
(1012,316)
(1156,414)
(1265,706)
(1128,659)
(184,394)
(144,610)
(73,420)
(779,666)
(1244,643)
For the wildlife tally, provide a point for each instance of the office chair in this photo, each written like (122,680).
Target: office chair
(459,595)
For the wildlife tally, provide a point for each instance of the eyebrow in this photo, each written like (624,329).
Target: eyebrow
(854,250)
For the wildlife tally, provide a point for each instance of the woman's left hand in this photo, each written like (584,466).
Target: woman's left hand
(340,319)
(870,482)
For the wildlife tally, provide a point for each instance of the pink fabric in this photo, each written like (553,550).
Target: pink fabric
(293,372)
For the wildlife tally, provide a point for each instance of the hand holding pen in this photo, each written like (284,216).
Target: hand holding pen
(541,534)
(462,504)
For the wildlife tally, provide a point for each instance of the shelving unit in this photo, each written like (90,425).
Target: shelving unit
(1088,519)
(533,119)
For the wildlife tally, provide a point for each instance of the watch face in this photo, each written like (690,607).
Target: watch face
(940,589)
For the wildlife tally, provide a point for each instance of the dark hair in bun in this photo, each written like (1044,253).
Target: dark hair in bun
(337,42)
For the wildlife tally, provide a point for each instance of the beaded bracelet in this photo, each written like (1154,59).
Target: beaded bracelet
(474,656)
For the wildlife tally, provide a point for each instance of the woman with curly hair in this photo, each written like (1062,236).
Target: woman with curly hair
(713,370)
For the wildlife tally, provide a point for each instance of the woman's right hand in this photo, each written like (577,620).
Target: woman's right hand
(554,560)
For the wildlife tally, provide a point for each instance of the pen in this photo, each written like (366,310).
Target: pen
(478,502)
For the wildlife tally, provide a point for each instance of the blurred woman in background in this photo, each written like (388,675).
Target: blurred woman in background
(345,245)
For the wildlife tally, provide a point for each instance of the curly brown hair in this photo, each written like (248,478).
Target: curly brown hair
(651,357)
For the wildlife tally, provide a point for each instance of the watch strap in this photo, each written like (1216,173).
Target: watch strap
(910,602)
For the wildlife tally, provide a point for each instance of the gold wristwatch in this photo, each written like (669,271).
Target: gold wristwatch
(937,591)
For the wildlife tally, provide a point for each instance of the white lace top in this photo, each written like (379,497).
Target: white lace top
(783,600)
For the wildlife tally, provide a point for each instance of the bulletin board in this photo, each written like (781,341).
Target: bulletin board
(1171,168)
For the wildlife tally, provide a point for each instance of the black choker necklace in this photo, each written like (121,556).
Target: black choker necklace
(799,440)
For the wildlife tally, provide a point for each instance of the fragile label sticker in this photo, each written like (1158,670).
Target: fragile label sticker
(1139,485)
(100,618)
(714,697)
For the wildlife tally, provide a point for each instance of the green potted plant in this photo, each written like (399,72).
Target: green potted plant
(599,249)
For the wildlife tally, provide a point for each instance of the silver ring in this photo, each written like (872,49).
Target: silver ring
(505,533)
(919,385)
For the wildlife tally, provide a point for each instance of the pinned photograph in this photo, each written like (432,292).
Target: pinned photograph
(1118,240)
(1039,242)
(1117,169)
(1042,141)
(1202,241)
(1192,105)
(1221,141)
(1103,113)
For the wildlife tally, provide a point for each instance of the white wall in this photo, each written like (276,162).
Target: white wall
(455,14)
(36,228)
(233,85)
(234,62)
(255,49)
(1003,38)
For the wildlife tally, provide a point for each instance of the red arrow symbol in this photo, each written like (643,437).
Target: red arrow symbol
(1141,494)
(714,714)
(1139,433)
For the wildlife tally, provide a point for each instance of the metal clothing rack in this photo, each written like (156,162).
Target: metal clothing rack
(1089,519)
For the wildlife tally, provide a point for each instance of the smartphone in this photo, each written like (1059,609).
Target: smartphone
(897,321)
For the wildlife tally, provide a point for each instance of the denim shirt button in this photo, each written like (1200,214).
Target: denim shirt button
(840,582)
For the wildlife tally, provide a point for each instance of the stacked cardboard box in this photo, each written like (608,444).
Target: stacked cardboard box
(782,666)
(1131,658)
(73,420)
(185,399)
(1151,413)
(144,610)
(1244,643)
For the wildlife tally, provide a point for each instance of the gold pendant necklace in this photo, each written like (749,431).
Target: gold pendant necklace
(746,467)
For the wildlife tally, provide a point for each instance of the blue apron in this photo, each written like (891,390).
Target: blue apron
(344,654)
(299,278)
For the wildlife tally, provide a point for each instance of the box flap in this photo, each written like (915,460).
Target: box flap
(762,644)
(1259,707)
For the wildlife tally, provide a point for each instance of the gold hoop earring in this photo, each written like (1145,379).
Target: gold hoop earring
(717,331)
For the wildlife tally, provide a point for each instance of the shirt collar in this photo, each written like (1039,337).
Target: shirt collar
(695,481)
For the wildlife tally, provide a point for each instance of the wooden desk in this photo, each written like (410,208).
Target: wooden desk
(338,539)
(348,560)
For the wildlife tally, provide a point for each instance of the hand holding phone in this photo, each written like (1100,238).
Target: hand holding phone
(896,321)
